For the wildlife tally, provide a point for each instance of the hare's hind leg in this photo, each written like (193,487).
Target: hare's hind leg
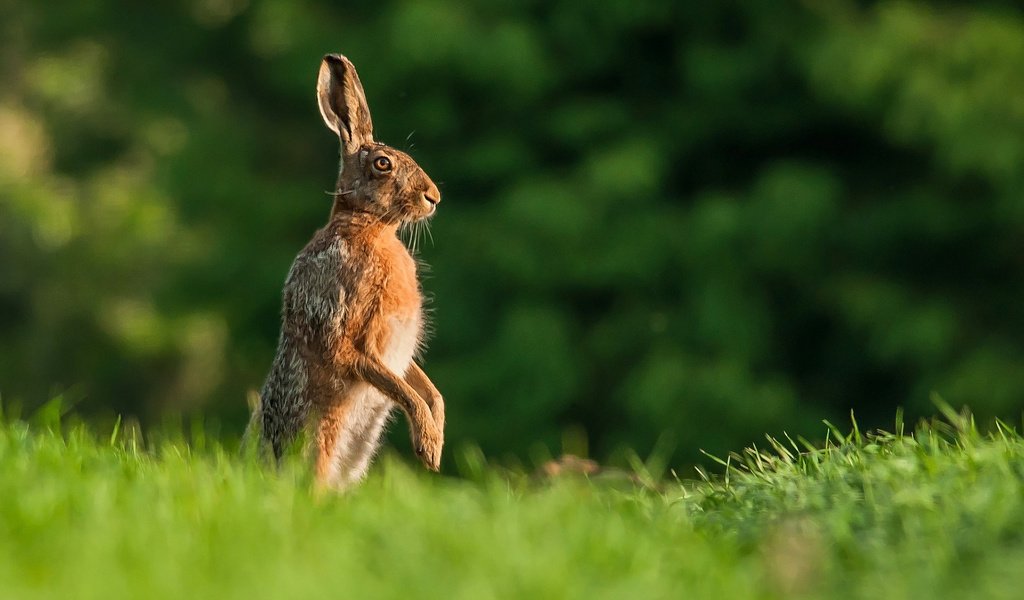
(330,430)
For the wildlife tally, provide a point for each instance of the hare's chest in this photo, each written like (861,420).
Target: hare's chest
(403,337)
(401,315)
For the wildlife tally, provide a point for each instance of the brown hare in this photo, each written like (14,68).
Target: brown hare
(352,315)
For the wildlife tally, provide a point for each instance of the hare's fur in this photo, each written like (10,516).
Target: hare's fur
(352,316)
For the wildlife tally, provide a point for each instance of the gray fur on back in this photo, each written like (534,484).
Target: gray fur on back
(312,314)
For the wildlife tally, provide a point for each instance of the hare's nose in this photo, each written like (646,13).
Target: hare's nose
(432,195)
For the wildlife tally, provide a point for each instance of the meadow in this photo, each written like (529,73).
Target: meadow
(936,512)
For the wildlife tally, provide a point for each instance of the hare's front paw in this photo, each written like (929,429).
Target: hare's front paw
(437,411)
(428,446)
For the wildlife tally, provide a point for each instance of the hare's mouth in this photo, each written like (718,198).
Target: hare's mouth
(429,203)
(417,213)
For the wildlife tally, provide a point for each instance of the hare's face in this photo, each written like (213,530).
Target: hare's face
(375,178)
(386,182)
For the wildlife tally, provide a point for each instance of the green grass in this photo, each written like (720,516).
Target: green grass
(934,514)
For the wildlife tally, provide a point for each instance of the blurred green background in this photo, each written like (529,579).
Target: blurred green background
(686,222)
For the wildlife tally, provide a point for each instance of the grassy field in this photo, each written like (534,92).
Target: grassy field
(938,513)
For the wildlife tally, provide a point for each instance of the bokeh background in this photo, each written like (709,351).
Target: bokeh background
(664,222)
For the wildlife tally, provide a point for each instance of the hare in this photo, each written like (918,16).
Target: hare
(352,315)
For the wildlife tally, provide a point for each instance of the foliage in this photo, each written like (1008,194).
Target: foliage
(934,514)
(662,220)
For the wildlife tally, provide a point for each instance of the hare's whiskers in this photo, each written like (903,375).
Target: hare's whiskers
(426,225)
(405,232)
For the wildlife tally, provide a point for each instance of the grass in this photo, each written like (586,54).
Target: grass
(938,513)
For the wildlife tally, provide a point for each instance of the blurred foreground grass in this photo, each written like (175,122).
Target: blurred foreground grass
(938,513)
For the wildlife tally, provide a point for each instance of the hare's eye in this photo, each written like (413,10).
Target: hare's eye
(382,164)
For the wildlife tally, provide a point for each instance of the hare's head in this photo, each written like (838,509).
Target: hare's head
(373,178)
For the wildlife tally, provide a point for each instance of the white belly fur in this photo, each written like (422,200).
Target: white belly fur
(405,336)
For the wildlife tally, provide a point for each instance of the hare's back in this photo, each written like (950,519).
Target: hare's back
(316,287)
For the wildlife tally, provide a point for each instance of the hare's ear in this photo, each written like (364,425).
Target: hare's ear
(343,102)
